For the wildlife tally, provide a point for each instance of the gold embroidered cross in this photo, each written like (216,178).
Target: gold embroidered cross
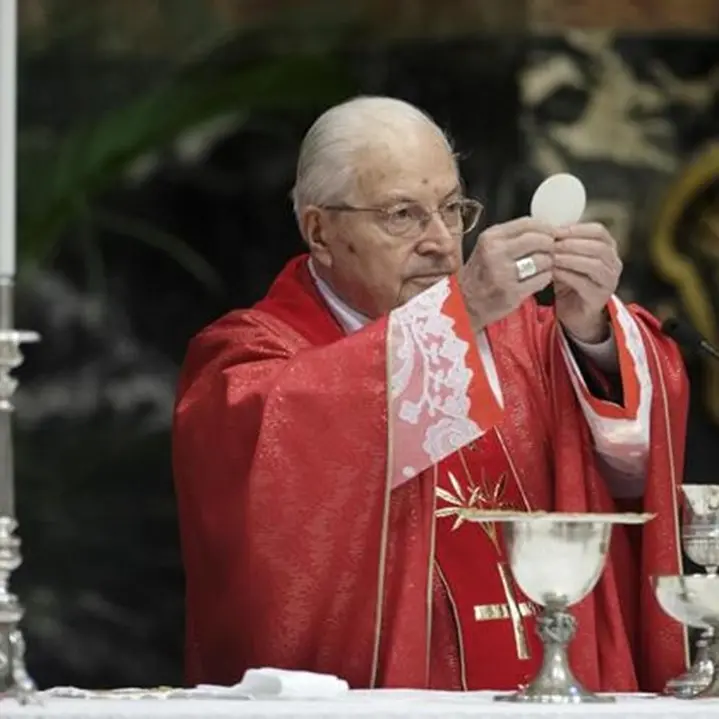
(475,496)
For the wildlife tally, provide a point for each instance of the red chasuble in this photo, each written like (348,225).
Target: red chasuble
(317,476)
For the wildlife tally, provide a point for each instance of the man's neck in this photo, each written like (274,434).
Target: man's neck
(350,319)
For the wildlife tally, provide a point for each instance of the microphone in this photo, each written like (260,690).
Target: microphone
(685,335)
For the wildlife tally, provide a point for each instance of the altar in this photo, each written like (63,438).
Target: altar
(402,704)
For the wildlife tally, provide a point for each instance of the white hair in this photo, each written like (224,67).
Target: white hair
(325,170)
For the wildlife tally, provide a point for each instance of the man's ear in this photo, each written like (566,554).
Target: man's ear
(313,224)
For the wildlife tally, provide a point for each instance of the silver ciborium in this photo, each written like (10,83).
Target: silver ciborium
(556,560)
(693,600)
(700,541)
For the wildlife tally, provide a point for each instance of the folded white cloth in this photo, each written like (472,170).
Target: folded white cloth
(281,683)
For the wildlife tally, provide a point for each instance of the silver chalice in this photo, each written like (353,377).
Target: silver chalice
(700,541)
(556,559)
(693,600)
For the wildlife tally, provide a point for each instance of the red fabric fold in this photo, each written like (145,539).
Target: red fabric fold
(621,624)
(295,552)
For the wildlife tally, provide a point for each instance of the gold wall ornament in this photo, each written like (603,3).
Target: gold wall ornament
(684,249)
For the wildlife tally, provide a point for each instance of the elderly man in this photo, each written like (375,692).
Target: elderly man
(325,438)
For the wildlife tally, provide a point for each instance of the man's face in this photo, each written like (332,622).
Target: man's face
(372,269)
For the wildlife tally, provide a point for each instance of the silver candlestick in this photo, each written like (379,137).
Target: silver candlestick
(14,679)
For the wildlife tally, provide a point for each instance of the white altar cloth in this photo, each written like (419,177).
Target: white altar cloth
(399,704)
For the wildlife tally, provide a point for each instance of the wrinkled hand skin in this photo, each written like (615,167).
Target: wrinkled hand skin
(489,280)
(581,260)
(586,274)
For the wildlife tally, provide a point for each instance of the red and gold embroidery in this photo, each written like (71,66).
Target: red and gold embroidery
(487,495)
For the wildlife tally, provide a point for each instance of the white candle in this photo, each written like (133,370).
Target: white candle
(8,126)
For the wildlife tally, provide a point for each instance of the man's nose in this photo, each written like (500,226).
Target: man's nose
(436,238)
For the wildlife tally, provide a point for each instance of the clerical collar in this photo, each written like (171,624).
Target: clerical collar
(350,319)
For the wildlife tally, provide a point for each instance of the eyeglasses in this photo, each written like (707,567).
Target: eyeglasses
(410,220)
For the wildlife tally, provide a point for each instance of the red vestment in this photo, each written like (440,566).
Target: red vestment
(312,468)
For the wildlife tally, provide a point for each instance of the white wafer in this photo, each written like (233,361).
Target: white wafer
(560,200)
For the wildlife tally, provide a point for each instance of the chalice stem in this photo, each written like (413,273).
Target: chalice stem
(556,628)
(555,681)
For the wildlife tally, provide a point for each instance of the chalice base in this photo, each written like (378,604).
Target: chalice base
(699,676)
(555,683)
(555,688)
(711,691)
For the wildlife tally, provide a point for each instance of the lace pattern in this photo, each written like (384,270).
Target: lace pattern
(430,375)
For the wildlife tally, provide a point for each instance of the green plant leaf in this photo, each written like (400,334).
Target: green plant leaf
(94,158)
(174,247)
